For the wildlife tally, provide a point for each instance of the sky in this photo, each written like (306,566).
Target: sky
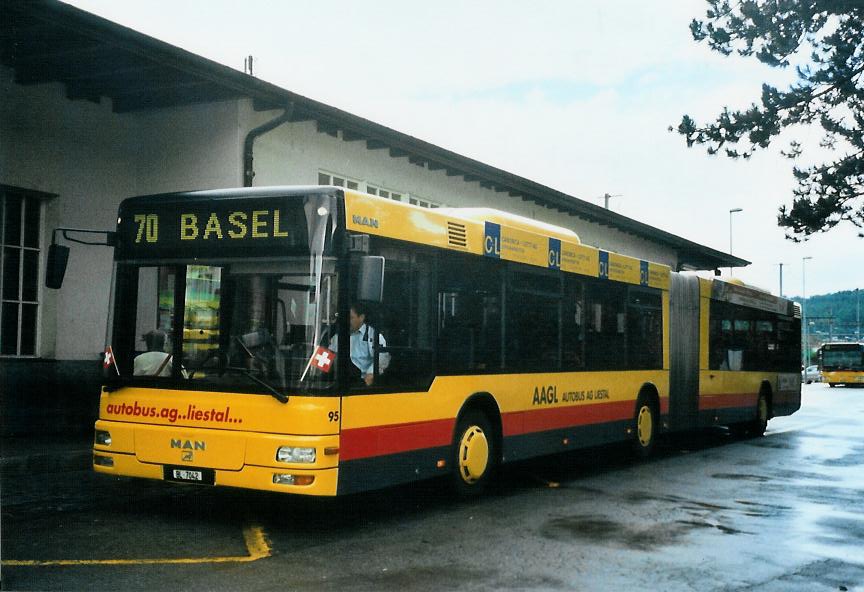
(577,96)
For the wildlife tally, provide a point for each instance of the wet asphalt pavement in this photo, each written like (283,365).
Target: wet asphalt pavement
(783,512)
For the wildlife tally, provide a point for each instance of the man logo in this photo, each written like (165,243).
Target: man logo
(364,221)
(188,444)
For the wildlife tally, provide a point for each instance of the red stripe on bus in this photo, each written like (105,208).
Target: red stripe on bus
(727,400)
(553,418)
(380,440)
(391,439)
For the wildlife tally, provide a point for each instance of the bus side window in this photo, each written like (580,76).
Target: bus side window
(573,325)
(720,330)
(533,320)
(644,329)
(469,314)
(606,337)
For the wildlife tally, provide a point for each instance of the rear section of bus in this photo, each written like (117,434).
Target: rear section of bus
(750,351)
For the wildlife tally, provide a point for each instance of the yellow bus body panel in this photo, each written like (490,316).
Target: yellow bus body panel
(843,377)
(513,393)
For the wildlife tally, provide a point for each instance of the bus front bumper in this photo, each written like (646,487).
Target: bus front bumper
(203,456)
(323,481)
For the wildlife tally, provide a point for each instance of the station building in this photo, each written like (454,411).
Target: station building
(92,112)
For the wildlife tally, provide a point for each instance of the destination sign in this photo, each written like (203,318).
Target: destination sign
(214,228)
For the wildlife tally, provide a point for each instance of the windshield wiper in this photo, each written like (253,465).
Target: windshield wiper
(276,394)
(282,398)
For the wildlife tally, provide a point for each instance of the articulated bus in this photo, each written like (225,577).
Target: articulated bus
(494,338)
(842,363)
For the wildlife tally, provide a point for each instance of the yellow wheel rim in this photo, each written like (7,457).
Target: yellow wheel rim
(645,426)
(473,454)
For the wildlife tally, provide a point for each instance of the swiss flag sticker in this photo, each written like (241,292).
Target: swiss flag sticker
(323,359)
(110,360)
(109,357)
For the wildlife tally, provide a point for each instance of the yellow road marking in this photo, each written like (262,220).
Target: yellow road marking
(256,545)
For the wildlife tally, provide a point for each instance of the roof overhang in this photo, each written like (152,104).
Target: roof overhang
(48,41)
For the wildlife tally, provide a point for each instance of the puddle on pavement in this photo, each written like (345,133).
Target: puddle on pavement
(770,443)
(644,537)
(742,477)
(800,475)
(722,528)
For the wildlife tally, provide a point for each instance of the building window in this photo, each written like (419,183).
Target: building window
(327,178)
(20,237)
(385,193)
(423,203)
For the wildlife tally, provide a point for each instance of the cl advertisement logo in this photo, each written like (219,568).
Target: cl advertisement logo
(492,240)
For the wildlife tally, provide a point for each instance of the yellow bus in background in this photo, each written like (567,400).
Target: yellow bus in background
(503,338)
(842,364)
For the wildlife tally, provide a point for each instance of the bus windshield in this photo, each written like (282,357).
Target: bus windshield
(231,324)
(843,357)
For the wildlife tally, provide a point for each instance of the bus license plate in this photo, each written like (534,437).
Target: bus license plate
(189,475)
(186,475)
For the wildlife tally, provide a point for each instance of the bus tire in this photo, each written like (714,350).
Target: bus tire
(832,384)
(645,425)
(760,423)
(474,454)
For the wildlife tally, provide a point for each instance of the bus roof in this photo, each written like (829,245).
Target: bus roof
(496,234)
(737,292)
(225,194)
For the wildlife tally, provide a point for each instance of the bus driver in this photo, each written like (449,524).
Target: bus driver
(362,345)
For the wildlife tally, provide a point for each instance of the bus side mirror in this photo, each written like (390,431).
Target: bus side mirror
(370,281)
(55,267)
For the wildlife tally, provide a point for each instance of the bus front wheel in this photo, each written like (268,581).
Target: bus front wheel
(474,454)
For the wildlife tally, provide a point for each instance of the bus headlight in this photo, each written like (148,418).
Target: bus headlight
(103,437)
(295,454)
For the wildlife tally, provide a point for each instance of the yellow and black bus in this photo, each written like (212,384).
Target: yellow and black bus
(501,338)
(842,364)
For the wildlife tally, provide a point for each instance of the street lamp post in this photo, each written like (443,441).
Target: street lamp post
(781,278)
(804,311)
(732,211)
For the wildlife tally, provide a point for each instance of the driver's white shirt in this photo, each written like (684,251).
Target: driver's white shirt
(363,350)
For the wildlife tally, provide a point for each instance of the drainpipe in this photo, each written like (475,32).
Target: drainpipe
(248,143)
